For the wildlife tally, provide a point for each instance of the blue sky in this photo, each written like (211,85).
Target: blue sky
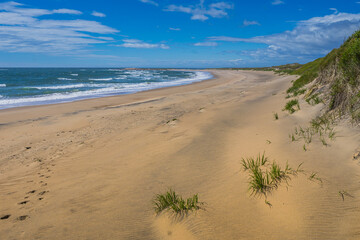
(172,33)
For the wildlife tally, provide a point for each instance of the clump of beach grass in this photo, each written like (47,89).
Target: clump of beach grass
(292,106)
(276,116)
(251,163)
(313,100)
(171,201)
(265,176)
(322,126)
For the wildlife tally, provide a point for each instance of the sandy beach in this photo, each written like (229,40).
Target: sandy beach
(90,169)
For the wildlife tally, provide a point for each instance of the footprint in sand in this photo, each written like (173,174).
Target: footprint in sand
(42,193)
(4,217)
(22,218)
(32,191)
(23,202)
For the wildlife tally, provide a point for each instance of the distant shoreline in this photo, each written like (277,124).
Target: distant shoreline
(79,95)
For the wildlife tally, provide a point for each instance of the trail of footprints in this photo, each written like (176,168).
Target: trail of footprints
(35,195)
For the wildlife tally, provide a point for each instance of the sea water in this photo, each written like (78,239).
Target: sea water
(37,86)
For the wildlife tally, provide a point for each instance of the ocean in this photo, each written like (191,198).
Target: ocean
(38,86)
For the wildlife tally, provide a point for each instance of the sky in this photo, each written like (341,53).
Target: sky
(172,33)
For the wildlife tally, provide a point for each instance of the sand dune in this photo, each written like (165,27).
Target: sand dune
(89,169)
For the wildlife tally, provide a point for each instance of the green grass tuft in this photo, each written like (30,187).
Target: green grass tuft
(322,126)
(265,177)
(292,106)
(251,163)
(276,116)
(171,201)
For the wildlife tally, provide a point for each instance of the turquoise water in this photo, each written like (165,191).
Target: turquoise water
(36,86)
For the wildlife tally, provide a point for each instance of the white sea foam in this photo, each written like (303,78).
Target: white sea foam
(66,79)
(104,89)
(74,74)
(3,85)
(100,79)
(61,86)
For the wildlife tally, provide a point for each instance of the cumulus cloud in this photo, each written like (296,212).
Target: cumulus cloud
(308,40)
(150,2)
(21,30)
(98,14)
(249,23)
(206,44)
(135,43)
(202,12)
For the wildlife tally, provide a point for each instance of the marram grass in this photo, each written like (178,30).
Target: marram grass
(171,201)
(265,176)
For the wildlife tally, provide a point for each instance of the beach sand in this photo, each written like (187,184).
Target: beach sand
(90,169)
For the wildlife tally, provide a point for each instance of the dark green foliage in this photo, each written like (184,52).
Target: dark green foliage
(350,59)
(345,62)
(174,202)
(308,73)
(337,93)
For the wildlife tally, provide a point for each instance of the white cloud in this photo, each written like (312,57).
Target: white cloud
(67,11)
(236,60)
(17,8)
(175,29)
(206,44)
(334,9)
(22,31)
(98,14)
(150,2)
(134,43)
(249,23)
(277,2)
(201,12)
(310,39)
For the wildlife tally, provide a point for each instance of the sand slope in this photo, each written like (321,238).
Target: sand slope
(89,169)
